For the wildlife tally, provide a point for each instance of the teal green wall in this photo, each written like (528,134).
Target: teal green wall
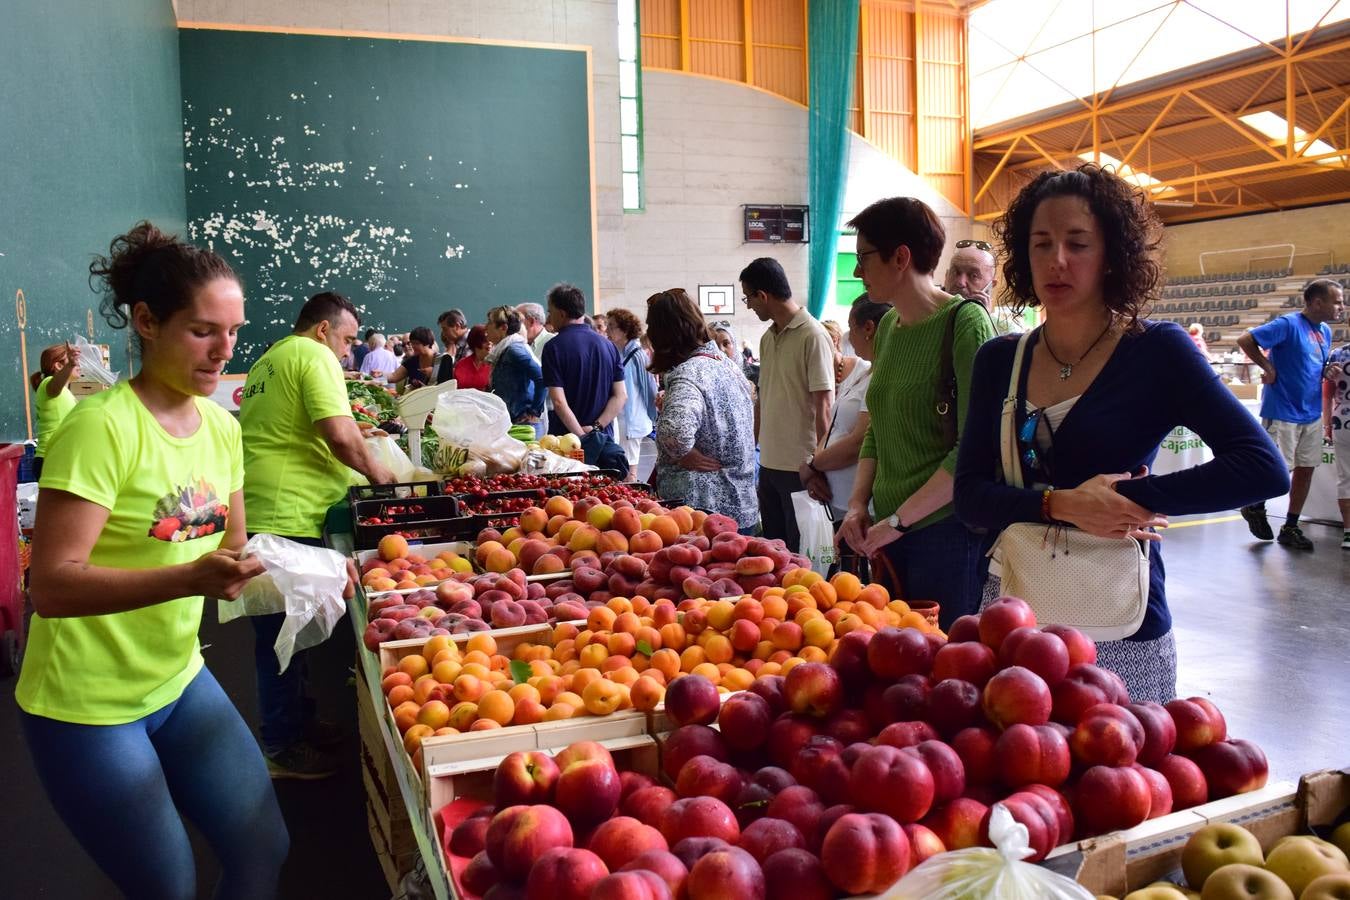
(91,141)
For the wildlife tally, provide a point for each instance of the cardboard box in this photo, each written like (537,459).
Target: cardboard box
(1115,864)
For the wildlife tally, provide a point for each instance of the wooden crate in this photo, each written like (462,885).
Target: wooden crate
(461,548)
(472,778)
(1127,860)
(386,813)
(497,742)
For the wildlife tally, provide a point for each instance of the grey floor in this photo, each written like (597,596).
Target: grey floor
(1261,631)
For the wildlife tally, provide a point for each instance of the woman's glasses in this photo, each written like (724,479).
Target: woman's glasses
(1031,455)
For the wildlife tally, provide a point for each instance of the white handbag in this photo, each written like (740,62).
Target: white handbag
(1069,577)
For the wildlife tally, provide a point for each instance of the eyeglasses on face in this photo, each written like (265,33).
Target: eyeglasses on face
(979,245)
(861,254)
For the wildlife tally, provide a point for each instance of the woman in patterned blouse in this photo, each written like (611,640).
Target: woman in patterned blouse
(705,432)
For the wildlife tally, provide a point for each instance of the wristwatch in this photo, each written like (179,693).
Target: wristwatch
(811,464)
(894,521)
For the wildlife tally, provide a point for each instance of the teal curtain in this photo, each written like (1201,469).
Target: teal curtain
(832,29)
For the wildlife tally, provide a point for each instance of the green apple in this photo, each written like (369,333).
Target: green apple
(1158,891)
(1300,860)
(1238,881)
(1328,887)
(1216,845)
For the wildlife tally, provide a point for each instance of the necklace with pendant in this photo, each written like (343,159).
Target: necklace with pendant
(1066,369)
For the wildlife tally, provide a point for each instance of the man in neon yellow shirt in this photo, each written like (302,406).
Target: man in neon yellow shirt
(59,364)
(300,441)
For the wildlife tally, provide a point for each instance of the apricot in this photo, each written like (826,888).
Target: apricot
(497,706)
(525,691)
(645,694)
(673,636)
(469,688)
(558,506)
(463,715)
(434,713)
(667,662)
(559,711)
(423,687)
(709,671)
(602,697)
(412,739)
(601,619)
(622,644)
(405,716)
(528,712)
(718,649)
(592,655)
(394,679)
(570,698)
(392,547)
(691,657)
(414,666)
(738,679)
(485,725)
(399,693)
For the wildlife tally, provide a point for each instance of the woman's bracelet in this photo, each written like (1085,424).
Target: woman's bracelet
(1045,505)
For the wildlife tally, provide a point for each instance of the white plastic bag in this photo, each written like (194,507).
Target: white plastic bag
(91,361)
(27,497)
(817,531)
(478,422)
(387,451)
(306,583)
(546,462)
(981,872)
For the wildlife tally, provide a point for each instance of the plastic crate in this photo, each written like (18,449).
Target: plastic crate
(424,517)
(402,490)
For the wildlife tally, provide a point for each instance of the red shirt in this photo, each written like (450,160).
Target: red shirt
(469,375)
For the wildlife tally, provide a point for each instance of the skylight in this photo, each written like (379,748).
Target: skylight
(1129,173)
(1276,128)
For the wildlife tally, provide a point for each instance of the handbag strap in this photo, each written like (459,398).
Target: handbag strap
(1012,468)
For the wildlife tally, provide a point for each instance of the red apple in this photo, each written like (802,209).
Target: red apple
(564,873)
(1187,781)
(664,864)
(688,741)
(1160,732)
(1107,735)
(865,853)
(896,652)
(692,700)
(704,776)
(969,661)
(647,804)
(744,719)
(524,777)
(588,791)
(1232,767)
(1082,649)
(923,843)
(955,704)
(976,746)
(1199,723)
(888,780)
(730,874)
(765,836)
(618,841)
(798,874)
(519,835)
(1110,799)
(1002,617)
(811,689)
(1032,754)
(957,824)
(1016,695)
(699,817)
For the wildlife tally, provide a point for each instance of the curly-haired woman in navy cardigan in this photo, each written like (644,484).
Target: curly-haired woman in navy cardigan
(1101,390)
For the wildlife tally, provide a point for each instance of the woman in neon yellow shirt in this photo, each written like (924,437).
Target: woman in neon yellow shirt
(142,514)
(59,364)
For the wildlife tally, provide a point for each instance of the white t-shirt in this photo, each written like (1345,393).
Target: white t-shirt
(850,399)
(379,360)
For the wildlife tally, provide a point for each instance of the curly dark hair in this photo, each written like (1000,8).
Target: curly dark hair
(626,322)
(1131,235)
(676,328)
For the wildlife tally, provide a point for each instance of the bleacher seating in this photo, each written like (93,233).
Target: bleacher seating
(1226,304)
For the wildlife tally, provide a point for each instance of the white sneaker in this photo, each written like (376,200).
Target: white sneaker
(1345,541)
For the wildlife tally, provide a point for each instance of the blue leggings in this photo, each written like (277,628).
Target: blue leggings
(119,789)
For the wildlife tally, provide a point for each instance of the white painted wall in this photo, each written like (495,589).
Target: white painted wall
(710,146)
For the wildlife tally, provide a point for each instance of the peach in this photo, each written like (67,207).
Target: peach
(1016,694)
(886,779)
(692,700)
(1040,651)
(524,777)
(469,837)
(1107,735)
(480,876)
(1001,618)
(699,817)
(564,873)
(581,750)
(796,873)
(644,541)
(520,835)
(896,652)
(626,521)
(1111,799)
(663,864)
(814,689)
(704,776)
(957,824)
(392,547)
(1232,767)
(588,791)
(618,841)
(1198,723)
(729,872)
(635,885)
(558,506)
(865,853)
(1034,813)
(647,804)
(1189,787)
(1032,754)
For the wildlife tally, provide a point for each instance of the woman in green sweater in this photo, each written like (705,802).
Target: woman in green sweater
(908,457)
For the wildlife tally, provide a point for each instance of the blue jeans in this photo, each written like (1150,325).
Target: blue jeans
(119,789)
(943,562)
(283,707)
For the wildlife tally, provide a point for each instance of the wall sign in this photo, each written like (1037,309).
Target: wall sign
(777,224)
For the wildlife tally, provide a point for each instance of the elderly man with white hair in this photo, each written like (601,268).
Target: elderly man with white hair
(970,272)
(379,361)
(535,320)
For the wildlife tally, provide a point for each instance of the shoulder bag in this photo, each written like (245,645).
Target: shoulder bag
(1069,577)
(944,398)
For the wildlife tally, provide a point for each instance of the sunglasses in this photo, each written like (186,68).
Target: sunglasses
(1032,456)
(979,245)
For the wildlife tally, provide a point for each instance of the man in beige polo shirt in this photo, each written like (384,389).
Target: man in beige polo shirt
(796,390)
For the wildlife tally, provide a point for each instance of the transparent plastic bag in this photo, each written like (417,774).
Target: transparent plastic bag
(306,583)
(817,531)
(478,422)
(981,873)
(387,451)
(91,361)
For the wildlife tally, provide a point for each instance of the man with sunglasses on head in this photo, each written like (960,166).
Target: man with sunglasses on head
(970,271)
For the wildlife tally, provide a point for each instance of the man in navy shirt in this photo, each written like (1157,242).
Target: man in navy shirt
(1298,345)
(581,369)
